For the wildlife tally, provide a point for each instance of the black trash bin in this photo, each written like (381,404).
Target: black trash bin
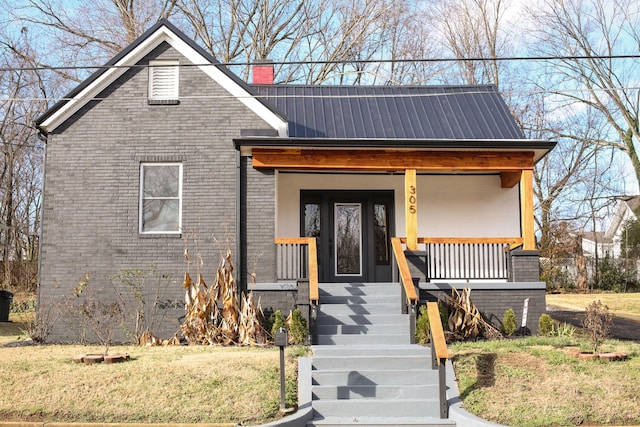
(5,305)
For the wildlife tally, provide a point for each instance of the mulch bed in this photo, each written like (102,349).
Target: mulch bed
(622,329)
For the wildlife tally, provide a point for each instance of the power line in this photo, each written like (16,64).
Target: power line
(330,62)
(343,96)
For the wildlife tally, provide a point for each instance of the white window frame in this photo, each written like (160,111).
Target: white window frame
(164,79)
(142,199)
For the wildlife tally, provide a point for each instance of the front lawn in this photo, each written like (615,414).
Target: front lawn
(534,382)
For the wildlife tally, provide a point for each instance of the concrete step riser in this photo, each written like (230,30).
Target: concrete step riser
(381,350)
(351,309)
(336,291)
(360,329)
(373,377)
(358,288)
(360,299)
(371,362)
(364,319)
(376,408)
(376,391)
(399,339)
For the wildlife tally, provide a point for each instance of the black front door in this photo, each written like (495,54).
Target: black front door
(353,229)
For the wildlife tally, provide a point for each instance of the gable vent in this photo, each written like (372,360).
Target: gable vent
(163,82)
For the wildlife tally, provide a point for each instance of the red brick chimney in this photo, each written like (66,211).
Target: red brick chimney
(262,73)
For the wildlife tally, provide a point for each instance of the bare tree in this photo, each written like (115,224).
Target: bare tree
(22,91)
(474,30)
(245,31)
(86,35)
(586,35)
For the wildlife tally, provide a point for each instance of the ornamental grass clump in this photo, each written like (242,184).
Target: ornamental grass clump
(216,315)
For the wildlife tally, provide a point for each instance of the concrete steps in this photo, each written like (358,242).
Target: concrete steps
(365,372)
(361,314)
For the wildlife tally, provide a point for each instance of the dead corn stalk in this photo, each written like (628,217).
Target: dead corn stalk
(465,320)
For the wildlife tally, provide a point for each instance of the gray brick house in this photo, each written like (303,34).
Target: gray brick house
(164,148)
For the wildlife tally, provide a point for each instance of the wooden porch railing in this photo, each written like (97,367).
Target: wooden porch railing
(439,354)
(461,258)
(405,274)
(298,259)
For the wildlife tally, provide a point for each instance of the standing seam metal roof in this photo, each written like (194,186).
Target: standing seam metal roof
(393,112)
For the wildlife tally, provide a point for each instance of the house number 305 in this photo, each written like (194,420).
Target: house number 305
(412,199)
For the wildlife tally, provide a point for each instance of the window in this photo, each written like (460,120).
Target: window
(160,197)
(163,82)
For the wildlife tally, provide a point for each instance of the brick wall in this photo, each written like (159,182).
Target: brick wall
(91,193)
(258,224)
(284,297)
(525,266)
(494,299)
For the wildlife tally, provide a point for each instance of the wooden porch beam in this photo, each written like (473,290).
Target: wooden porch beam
(510,179)
(391,160)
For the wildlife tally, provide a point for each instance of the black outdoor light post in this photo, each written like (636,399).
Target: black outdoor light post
(281,340)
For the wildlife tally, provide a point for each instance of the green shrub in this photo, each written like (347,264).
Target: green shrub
(556,278)
(545,325)
(509,323)
(298,331)
(613,276)
(277,322)
(422,326)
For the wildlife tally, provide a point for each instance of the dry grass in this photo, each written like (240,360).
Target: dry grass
(534,382)
(187,384)
(623,305)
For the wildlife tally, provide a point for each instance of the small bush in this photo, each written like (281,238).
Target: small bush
(556,278)
(277,322)
(545,324)
(597,323)
(298,331)
(422,326)
(509,323)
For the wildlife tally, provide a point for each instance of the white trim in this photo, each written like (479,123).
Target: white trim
(163,34)
(141,197)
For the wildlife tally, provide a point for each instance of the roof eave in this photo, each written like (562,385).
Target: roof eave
(539,147)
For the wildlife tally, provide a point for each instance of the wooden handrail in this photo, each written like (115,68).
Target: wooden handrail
(314,296)
(512,241)
(405,274)
(438,341)
(439,355)
(313,261)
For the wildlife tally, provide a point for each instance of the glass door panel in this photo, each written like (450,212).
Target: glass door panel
(348,239)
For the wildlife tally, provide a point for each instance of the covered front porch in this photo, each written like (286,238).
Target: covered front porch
(436,229)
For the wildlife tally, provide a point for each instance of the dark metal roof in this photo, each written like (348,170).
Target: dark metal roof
(393,112)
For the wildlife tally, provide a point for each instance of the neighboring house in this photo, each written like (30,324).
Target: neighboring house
(596,243)
(164,147)
(610,241)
